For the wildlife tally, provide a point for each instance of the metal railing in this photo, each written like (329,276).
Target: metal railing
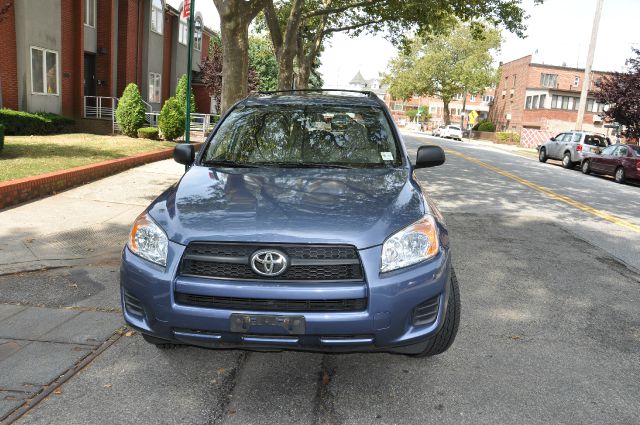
(100,107)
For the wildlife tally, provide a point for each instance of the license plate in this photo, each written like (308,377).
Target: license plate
(293,325)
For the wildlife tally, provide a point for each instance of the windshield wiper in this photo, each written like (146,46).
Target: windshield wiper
(229,163)
(304,165)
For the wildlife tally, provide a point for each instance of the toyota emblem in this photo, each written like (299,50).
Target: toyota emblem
(269,262)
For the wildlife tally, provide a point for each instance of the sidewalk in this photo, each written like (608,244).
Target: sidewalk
(89,222)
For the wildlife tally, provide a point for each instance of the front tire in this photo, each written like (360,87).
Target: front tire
(443,339)
(566,161)
(586,167)
(619,176)
(542,155)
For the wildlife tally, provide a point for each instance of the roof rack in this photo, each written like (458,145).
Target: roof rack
(363,92)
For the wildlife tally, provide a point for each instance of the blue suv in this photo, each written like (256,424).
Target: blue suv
(298,225)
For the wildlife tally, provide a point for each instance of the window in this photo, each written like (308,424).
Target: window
(156,16)
(595,141)
(576,81)
(565,102)
(590,103)
(155,87)
(487,99)
(472,98)
(548,80)
(514,79)
(90,13)
(44,71)
(576,137)
(197,35)
(622,151)
(608,150)
(543,99)
(534,104)
(398,106)
(457,97)
(183,32)
(528,103)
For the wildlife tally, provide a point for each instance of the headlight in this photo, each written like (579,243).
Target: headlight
(148,240)
(411,245)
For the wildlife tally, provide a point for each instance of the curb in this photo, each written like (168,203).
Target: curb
(17,191)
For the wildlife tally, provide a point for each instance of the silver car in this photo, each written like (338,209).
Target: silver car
(570,146)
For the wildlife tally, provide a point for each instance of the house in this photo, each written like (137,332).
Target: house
(537,96)
(358,82)
(75,57)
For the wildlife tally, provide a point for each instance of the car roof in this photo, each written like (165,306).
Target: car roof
(312,98)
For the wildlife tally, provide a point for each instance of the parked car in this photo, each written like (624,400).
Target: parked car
(437,131)
(285,235)
(452,132)
(570,147)
(620,161)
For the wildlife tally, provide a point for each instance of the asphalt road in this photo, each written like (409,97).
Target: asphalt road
(547,261)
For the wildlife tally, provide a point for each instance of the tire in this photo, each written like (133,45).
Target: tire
(542,155)
(162,344)
(619,176)
(443,339)
(585,167)
(566,161)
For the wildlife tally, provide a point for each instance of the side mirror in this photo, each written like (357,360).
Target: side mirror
(184,153)
(553,139)
(429,156)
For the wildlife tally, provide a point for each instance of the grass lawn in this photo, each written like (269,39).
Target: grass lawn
(25,156)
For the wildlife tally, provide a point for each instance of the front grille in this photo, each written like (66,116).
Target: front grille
(426,312)
(133,305)
(260,304)
(306,262)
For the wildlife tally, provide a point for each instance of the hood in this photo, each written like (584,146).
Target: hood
(360,207)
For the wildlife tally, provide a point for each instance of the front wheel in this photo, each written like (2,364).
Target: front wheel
(443,339)
(620,176)
(542,155)
(586,167)
(566,161)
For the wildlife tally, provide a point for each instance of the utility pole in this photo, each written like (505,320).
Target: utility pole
(587,70)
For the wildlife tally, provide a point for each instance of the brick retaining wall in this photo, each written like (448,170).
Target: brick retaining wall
(14,192)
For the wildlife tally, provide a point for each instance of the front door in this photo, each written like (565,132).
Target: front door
(90,84)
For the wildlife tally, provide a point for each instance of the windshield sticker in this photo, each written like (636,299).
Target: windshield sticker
(386,156)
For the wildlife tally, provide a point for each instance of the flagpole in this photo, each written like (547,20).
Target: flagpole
(187,119)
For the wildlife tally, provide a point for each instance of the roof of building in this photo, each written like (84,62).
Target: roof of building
(358,79)
(545,65)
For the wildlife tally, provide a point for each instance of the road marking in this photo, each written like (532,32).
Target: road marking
(562,198)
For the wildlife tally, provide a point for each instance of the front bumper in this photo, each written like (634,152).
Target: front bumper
(385,325)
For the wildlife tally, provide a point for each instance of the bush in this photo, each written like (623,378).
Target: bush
(171,121)
(18,123)
(148,133)
(181,94)
(508,137)
(130,112)
(1,137)
(487,125)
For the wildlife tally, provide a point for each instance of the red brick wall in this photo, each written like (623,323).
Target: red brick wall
(511,103)
(565,78)
(104,62)
(72,61)
(203,100)
(166,56)
(8,59)
(128,43)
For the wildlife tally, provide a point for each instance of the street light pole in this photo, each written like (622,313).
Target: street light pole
(187,118)
(587,70)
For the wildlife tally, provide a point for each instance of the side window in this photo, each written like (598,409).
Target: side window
(622,151)
(609,150)
(576,137)
(559,137)
(566,137)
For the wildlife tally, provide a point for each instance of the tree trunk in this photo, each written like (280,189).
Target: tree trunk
(235,69)
(445,112)
(304,73)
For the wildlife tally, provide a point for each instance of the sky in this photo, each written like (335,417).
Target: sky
(559,30)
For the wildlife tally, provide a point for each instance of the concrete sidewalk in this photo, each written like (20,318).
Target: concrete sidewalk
(90,222)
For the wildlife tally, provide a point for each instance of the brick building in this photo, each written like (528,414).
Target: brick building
(70,56)
(543,97)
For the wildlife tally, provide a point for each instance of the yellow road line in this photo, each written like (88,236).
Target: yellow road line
(562,198)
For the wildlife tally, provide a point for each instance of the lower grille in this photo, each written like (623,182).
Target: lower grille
(133,305)
(426,313)
(260,304)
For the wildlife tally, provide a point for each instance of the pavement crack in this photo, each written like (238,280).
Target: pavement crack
(228,387)
(323,406)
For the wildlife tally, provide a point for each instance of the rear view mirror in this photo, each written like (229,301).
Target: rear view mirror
(184,153)
(429,156)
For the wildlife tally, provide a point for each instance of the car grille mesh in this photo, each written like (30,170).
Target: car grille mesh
(258,304)
(426,313)
(307,262)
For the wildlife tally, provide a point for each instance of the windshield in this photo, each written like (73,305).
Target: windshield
(276,135)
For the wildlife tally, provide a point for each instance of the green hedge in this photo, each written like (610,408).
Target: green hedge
(148,133)
(171,120)
(130,113)
(18,123)
(487,126)
(507,137)
(1,137)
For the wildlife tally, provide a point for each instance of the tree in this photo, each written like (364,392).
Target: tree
(621,92)
(235,17)
(130,113)
(181,94)
(171,121)
(263,61)
(446,66)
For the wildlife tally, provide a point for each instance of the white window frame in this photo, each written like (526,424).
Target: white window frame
(197,35)
(183,32)
(151,96)
(44,71)
(155,11)
(87,17)
(576,81)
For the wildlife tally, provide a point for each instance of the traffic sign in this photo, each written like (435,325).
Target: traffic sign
(473,116)
(186,10)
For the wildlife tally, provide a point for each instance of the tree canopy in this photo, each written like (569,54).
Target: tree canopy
(622,93)
(445,66)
